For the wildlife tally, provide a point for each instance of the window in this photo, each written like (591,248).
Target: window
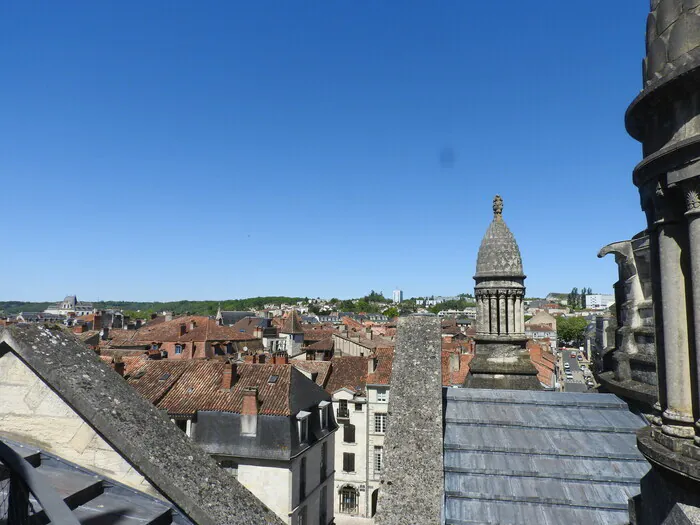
(348,500)
(358,407)
(178,349)
(343,408)
(303,422)
(382,395)
(302,479)
(348,433)
(323,505)
(378,459)
(181,424)
(324,460)
(323,413)
(380,423)
(348,462)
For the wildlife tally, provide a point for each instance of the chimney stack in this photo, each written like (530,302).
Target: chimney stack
(168,316)
(371,365)
(261,359)
(183,329)
(250,401)
(119,366)
(454,362)
(104,334)
(229,376)
(193,324)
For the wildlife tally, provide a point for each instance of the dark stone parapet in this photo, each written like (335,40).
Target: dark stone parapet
(412,488)
(629,390)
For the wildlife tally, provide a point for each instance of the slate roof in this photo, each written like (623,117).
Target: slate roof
(499,255)
(94,498)
(515,456)
(229,317)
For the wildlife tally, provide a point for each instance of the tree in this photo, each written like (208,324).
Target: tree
(391,312)
(571,329)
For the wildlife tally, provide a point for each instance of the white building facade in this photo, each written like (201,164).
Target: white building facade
(599,300)
(397,296)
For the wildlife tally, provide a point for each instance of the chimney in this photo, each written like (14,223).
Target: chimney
(168,316)
(104,334)
(229,376)
(371,365)
(193,324)
(183,329)
(280,358)
(153,316)
(97,322)
(454,362)
(261,359)
(250,401)
(119,366)
(138,323)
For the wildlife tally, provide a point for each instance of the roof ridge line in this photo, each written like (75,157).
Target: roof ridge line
(535,452)
(483,423)
(583,478)
(535,499)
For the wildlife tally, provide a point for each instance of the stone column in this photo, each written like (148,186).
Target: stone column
(518,315)
(512,315)
(502,313)
(692,195)
(482,313)
(678,414)
(493,304)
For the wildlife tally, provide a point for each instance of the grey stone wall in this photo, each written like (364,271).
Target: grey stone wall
(412,487)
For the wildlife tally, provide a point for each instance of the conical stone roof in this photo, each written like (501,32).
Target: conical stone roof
(499,255)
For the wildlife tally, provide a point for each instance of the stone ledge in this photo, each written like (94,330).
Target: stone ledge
(633,390)
(664,458)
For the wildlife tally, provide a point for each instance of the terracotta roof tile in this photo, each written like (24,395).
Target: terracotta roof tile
(382,374)
(186,386)
(347,372)
(322,345)
(322,369)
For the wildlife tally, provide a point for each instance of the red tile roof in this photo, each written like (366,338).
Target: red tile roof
(322,345)
(186,386)
(347,372)
(322,369)
(382,374)
(292,324)
(455,378)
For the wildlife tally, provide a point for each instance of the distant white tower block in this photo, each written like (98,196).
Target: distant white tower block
(397,296)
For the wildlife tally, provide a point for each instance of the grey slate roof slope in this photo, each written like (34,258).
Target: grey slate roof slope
(94,498)
(539,457)
(182,472)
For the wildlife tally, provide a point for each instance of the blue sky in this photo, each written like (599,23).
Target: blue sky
(211,150)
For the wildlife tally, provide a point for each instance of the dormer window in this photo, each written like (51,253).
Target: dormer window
(303,426)
(323,413)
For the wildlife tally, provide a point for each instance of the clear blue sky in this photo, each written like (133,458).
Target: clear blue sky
(209,150)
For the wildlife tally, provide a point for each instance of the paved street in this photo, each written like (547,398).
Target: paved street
(578,383)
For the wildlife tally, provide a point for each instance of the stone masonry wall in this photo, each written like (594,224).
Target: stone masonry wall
(30,412)
(412,488)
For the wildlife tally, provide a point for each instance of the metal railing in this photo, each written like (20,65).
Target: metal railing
(18,483)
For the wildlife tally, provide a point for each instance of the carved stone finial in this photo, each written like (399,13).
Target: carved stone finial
(497,206)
